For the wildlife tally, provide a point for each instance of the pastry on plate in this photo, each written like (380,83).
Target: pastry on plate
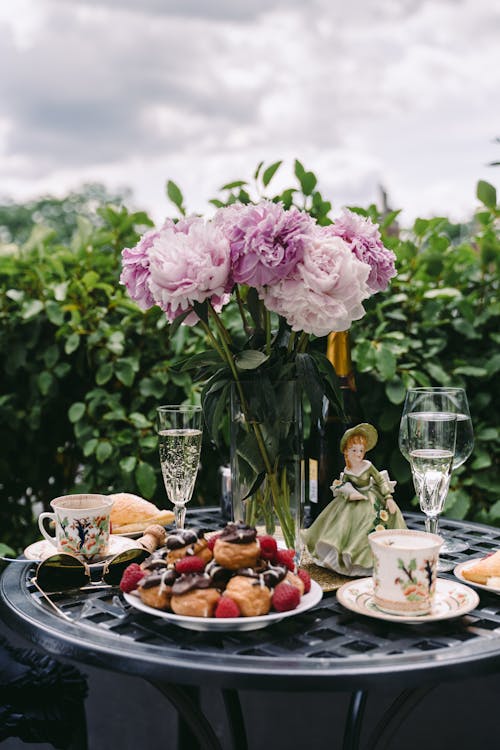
(193,595)
(237,547)
(131,514)
(485,568)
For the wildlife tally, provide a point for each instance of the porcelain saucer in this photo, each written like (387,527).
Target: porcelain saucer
(459,569)
(39,551)
(451,599)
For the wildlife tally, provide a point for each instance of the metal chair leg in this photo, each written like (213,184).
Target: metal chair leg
(235,719)
(195,731)
(352,731)
(392,719)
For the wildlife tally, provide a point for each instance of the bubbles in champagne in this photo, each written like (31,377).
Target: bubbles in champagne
(179,459)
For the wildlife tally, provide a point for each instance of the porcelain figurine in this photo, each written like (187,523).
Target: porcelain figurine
(362,503)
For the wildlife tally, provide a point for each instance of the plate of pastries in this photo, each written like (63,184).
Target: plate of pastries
(228,580)
(482,573)
(131,515)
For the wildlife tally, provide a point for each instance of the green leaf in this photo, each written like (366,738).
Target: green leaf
(299,170)
(395,391)
(139,420)
(386,362)
(6,551)
(270,172)
(76,411)
(104,373)
(128,464)
(250,359)
(471,371)
(257,171)
(45,380)
(72,343)
(90,446)
(175,195)
(124,371)
(308,182)
(235,184)
(54,313)
(486,193)
(177,322)
(31,309)
(146,479)
(103,451)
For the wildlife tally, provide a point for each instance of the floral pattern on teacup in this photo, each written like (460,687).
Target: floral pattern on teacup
(84,536)
(417,587)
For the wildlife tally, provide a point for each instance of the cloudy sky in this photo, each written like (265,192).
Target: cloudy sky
(404,93)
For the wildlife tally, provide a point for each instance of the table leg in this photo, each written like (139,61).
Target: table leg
(392,719)
(195,731)
(235,719)
(352,731)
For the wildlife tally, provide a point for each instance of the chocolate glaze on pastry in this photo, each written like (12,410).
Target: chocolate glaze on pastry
(238,533)
(219,575)
(189,581)
(181,538)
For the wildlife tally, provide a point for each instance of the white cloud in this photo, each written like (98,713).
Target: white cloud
(394,92)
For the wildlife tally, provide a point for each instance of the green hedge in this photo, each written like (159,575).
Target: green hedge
(82,368)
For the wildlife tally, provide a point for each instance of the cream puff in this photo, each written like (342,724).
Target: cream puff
(237,547)
(251,595)
(193,595)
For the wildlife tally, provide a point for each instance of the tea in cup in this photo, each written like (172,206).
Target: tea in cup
(404,570)
(82,524)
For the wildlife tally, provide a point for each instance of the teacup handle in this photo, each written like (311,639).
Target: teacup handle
(41,518)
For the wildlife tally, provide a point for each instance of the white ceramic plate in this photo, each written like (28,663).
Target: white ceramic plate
(41,550)
(463,566)
(450,600)
(218,625)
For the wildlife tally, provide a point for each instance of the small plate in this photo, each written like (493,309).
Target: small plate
(218,625)
(39,551)
(459,574)
(450,600)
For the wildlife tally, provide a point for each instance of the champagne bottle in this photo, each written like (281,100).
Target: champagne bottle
(325,459)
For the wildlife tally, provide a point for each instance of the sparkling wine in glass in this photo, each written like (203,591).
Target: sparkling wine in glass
(431,448)
(441,400)
(179,436)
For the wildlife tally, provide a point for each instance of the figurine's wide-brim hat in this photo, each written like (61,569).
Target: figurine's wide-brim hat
(367,430)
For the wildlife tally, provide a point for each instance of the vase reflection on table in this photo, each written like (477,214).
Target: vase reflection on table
(179,430)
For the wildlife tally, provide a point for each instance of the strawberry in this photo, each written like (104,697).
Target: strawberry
(285,557)
(226,607)
(285,597)
(268,547)
(305,578)
(211,541)
(190,564)
(131,577)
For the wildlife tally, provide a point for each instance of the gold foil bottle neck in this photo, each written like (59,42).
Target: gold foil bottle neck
(338,351)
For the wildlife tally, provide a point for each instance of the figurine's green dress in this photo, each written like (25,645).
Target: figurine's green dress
(338,538)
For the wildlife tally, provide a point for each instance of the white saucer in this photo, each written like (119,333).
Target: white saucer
(458,571)
(450,600)
(41,550)
(217,625)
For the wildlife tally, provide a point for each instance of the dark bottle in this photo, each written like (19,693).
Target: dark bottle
(325,459)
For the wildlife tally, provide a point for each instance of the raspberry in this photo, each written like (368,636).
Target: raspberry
(285,597)
(190,564)
(285,557)
(226,607)
(305,578)
(268,547)
(131,577)
(211,542)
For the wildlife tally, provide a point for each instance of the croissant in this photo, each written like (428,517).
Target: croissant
(486,567)
(131,513)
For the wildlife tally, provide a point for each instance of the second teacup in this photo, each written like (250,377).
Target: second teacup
(404,570)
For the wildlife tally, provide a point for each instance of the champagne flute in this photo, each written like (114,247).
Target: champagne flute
(442,399)
(179,435)
(431,447)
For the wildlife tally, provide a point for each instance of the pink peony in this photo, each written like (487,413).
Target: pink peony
(135,270)
(364,239)
(189,267)
(327,290)
(266,241)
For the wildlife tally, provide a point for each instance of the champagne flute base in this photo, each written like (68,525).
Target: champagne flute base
(179,516)
(444,566)
(452,546)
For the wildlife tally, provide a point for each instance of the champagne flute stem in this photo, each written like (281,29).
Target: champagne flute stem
(432,524)
(180,516)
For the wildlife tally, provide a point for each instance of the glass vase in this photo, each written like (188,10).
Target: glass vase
(267,479)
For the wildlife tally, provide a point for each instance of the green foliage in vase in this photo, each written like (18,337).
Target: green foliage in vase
(82,368)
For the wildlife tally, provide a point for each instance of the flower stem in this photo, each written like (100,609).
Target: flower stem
(247,328)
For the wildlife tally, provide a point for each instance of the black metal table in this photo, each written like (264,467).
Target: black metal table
(325,649)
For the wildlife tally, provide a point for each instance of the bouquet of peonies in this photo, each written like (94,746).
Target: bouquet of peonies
(291,279)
